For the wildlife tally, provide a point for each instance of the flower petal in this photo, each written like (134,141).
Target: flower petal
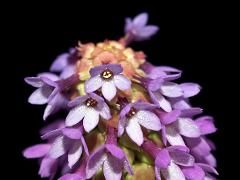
(187,127)
(91,119)
(95,161)
(112,168)
(50,76)
(115,151)
(163,159)
(74,154)
(190,112)
(173,172)
(198,146)
(76,115)
(60,62)
(173,137)
(36,151)
(122,82)
(170,89)
(140,20)
(34,81)
(148,31)
(157,173)
(181,158)
(109,90)
(206,125)
(161,101)
(115,68)
(121,126)
(72,133)
(193,173)
(170,117)
(134,131)
(68,71)
(208,168)
(93,84)
(59,147)
(105,112)
(149,120)
(71,177)
(48,167)
(190,89)
(40,95)
(77,101)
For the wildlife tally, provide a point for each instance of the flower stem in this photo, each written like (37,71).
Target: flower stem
(111,135)
(151,148)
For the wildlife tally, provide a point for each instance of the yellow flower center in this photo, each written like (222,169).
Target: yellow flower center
(107,74)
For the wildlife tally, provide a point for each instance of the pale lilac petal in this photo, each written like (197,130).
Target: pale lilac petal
(57,124)
(163,159)
(40,95)
(211,160)
(125,110)
(109,90)
(76,115)
(190,89)
(181,105)
(157,173)
(71,177)
(91,119)
(122,82)
(209,177)
(93,84)
(50,76)
(48,110)
(178,148)
(95,162)
(182,158)
(48,167)
(173,172)
(112,168)
(115,151)
(140,20)
(173,137)
(134,131)
(68,71)
(128,25)
(149,120)
(84,145)
(190,112)
(161,101)
(170,89)
(121,126)
(77,101)
(168,118)
(58,147)
(187,127)
(164,139)
(72,133)
(36,151)
(140,105)
(60,62)
(206,125)
(193,173)
(34,81)
(52,134)
(105,112)
(198,146)
(148,31)
(74,153)
(208,168)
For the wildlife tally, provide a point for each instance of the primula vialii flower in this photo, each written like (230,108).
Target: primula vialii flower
(126,118)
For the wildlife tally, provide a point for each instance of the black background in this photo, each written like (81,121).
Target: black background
(192,37)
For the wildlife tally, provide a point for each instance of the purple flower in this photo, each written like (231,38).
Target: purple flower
(66,141)
(88,108)
(134,115)
(113,160)
(170,160)
(164,72)
(160,90)
(65,64)
(48,92)
(138,29)
(174,126)
(48,165)
(108,78)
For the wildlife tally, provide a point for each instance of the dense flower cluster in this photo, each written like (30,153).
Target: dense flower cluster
(126,117)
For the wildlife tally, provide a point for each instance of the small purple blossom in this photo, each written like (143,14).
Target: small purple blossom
(138,28)
(65,64)
(108,78)
(134,115)
(87,108)
(110,157)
